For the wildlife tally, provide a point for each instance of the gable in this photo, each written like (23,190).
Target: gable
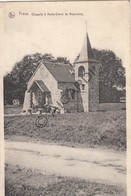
(40,84)
(42,73)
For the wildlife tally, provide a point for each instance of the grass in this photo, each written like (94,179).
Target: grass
(112,106)
(25,182)
(11,109)
(94,129)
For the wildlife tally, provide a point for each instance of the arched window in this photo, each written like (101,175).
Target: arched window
(81,71)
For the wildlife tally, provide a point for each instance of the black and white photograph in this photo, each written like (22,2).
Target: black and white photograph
(65,69)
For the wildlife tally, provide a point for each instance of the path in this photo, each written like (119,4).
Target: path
(95,164)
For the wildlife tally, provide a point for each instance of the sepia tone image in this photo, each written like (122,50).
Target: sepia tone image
(64,78)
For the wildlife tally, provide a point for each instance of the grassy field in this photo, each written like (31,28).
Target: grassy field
(11,109)
(94,129)
(112,106)
(25,182)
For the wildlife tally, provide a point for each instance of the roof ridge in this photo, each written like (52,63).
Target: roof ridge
(55,63)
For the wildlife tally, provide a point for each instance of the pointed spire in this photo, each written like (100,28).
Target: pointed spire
(86,53)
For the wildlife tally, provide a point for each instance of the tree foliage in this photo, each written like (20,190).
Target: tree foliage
(111,76)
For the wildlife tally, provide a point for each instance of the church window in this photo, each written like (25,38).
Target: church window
(81,71)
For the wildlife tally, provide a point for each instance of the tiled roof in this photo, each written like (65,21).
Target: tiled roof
(61,72)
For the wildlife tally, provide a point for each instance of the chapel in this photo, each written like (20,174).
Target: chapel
(71,89)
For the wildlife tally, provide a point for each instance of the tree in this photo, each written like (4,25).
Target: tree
(111,76)
(63,60)
(15,83)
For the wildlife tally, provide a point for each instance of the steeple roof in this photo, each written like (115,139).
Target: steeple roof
(86,52)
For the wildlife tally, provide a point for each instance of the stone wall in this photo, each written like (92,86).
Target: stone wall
(83,99)
(51,83)
(71,105)
(94,87)
(89,98)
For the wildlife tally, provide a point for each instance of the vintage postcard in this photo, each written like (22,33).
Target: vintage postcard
(65,69)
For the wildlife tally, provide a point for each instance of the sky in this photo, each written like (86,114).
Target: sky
(37,27)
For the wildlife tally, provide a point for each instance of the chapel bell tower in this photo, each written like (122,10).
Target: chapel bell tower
(87,73)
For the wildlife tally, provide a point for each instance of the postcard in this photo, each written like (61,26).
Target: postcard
(65,69)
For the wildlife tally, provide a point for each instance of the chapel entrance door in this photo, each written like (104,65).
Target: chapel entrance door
(41,99)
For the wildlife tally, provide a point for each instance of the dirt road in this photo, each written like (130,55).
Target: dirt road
(95,164)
